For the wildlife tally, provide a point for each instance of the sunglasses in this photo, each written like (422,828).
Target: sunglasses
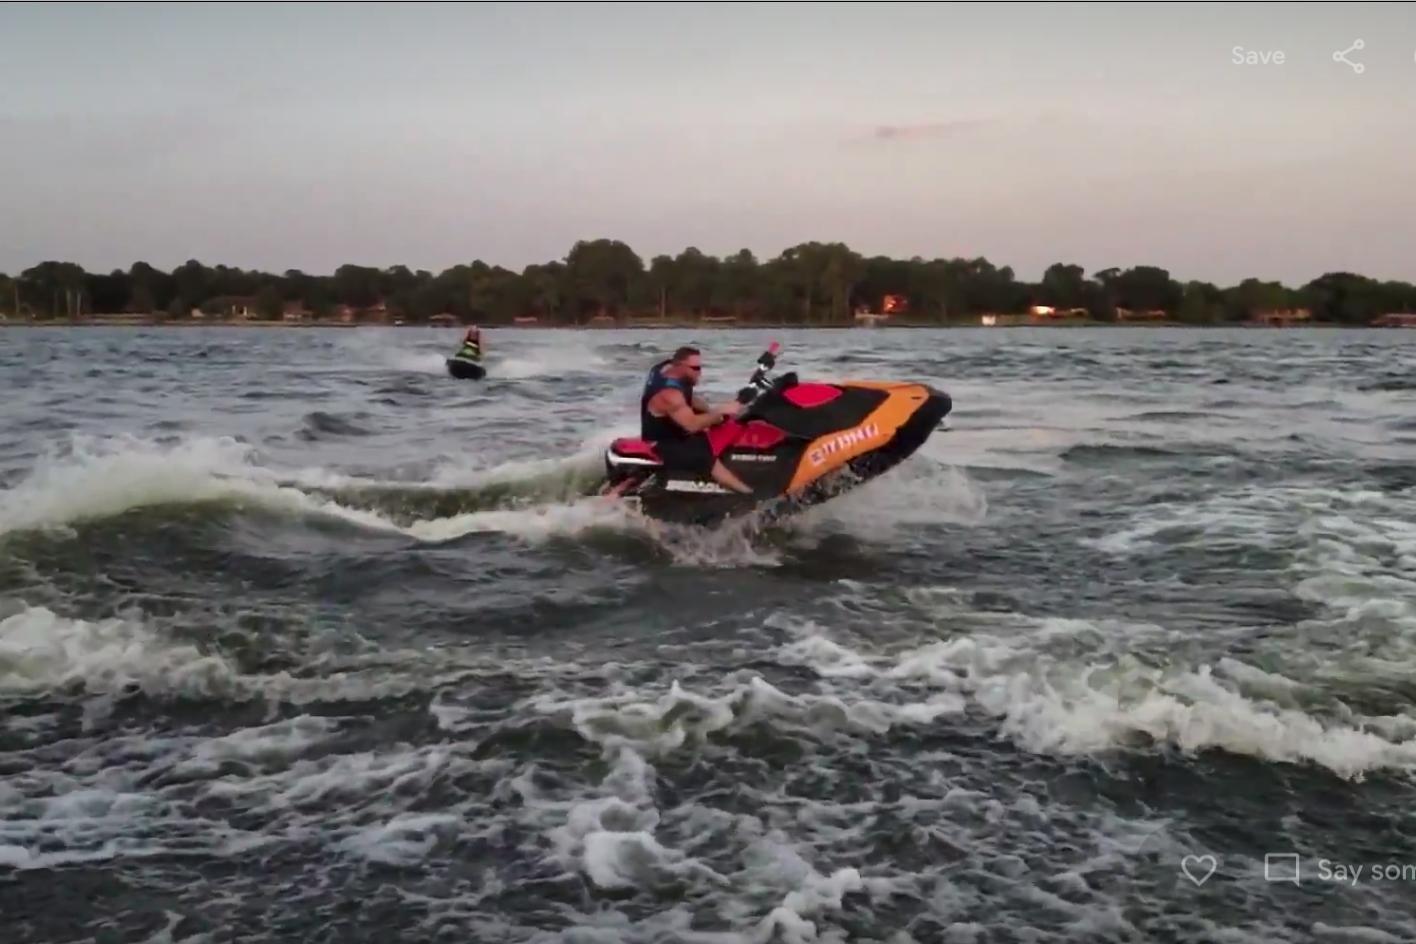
(696,368)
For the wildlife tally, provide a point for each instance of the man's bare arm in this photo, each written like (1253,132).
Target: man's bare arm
(672,404)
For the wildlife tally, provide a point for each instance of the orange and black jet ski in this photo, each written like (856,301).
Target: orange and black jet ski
(796,444)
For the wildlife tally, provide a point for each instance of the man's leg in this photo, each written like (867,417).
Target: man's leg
(618,489)
(724,476)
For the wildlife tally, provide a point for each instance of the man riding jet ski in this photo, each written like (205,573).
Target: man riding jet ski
(466,364)
(791,444)
(676,421)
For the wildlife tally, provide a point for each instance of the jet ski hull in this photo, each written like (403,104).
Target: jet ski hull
(796,447)
(465,370)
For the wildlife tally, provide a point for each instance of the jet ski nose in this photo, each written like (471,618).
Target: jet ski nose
(939,403)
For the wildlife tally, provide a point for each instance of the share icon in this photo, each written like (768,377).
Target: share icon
(1341,56)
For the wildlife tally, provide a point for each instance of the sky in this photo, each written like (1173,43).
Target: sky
(311,135)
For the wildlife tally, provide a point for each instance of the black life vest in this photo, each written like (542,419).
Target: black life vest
(654,428)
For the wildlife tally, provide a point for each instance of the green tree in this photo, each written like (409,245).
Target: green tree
(1148,288)
(821,277)
(1202,303)
(659,282)
(1064,286)
(1252,296)
(813,282)
(55,289)
(144,283)
(599,274)
(107,294)
(694,275)
(193,283)
(546,289)
(357,286)
(737,284)
(1344,298)
(269,304)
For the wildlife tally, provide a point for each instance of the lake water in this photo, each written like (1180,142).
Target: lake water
(303,640)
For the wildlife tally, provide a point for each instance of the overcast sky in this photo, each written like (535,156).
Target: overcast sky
(306,136)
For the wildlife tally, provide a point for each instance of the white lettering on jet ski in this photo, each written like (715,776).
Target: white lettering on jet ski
(688,485)
(843,441)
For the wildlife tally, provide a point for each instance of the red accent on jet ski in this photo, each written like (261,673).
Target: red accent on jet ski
(637,448)
(810,395)
(722,436)
(759,435)
(730,434)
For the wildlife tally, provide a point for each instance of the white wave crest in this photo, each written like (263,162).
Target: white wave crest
(40,650)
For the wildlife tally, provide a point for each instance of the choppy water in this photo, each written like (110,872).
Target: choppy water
(302,640)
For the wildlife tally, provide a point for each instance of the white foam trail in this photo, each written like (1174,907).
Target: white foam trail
(40,650)
(404,840)
(102,478)
(43,651)
(420,362)
(1071,706)
(536,524)
(588,460)
(1256,515)
(106,478)
(816,894)
(273,742)
(680,716)
(917,492)
(550,360)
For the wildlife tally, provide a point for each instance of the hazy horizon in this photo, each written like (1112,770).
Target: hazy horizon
(308,136)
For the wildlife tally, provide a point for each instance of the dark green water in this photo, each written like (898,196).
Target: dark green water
(302,640)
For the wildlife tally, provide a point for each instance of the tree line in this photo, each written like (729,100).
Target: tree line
(812,283)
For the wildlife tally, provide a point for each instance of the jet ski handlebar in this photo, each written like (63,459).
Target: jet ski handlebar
(761,380)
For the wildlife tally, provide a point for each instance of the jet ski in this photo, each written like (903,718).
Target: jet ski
(466,364)
(796,444)
(464,369)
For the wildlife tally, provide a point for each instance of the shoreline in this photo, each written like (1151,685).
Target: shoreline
(661,326)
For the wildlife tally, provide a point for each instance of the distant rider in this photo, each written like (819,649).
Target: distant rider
(674,419)
(471,349)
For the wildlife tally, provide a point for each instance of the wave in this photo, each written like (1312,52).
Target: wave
(103,479)
(534,500)
(1178,416)
(40,651)
(1076,706)
(550,360)
(1396,383)
(920,492)
(46,652)
(95,479)
(321,425)
(1104,453)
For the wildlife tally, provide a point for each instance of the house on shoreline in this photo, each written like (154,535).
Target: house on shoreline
(1284,318)
(891,306)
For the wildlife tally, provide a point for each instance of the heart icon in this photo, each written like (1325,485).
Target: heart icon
(1198,869)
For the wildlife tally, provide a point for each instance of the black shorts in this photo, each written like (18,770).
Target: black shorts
(691,454)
